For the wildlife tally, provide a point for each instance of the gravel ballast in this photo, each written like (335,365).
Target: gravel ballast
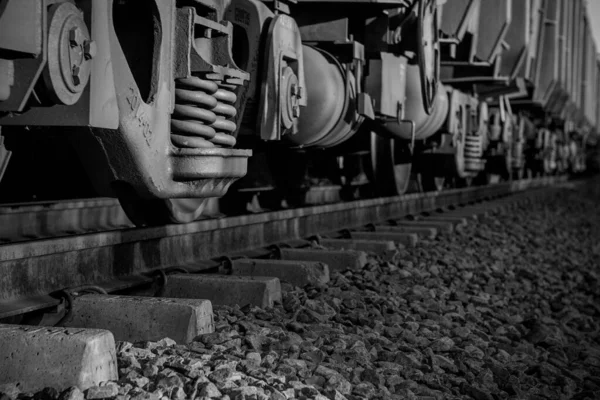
(505,308)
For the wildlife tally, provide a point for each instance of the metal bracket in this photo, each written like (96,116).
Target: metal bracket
(4,156)
(188,58)
(226,265)
(283,51)
(70,293)
(7,78)
(276,250)
(412,128)
(365,106)
(315,238)
(283,6)
(412,133)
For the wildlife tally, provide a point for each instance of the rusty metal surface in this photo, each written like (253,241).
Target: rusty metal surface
(23,305)
(39,267)
(31,221)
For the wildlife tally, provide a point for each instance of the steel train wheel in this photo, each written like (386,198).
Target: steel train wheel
(431,183)
(391,176)
(518,174)
(464,182)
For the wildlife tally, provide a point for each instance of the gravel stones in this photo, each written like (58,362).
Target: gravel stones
(505,308)
(102,392)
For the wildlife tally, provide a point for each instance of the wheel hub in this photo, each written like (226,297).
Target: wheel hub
(289,98)
(70,51)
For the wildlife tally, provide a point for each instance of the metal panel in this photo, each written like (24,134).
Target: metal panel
(494,20)
(559,96)
(20,27)
(582,25)
(597,97)
(571,44)
(537,37)
(517,38)
(576,47)
(547,54)
(564,49)
(456,15)
(590,77)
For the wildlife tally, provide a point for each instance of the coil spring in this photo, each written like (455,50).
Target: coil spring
(517,155)
(202,113)
(473,152)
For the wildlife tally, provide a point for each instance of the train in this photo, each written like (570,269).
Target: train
(183,109)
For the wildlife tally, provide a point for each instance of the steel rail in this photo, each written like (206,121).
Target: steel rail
(21,222)
(28,221)
(31,271)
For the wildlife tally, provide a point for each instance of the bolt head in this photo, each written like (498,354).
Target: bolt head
(76,37)
(76,75)
(89,49)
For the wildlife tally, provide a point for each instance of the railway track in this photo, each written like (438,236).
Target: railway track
(170,106)
(43,280)
(122,257)
(21,222)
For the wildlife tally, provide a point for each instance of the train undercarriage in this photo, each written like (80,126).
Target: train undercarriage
(188,108)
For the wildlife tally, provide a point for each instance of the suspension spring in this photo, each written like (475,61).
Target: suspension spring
(473,152)
(517,155)
(203,113)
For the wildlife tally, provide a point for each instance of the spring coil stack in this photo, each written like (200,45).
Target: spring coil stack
(203,113)
(473,152)
(518,160)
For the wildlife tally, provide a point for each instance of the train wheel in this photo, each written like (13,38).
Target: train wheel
(492,178)
(431,183)
(390,160)
(465,182)
(518,174)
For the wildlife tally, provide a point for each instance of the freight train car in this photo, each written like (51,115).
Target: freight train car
(168,105)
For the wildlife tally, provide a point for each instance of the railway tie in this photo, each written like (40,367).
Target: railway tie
(183,309)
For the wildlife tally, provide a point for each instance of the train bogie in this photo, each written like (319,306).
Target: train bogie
(157,110)
(362,63)
(164,101)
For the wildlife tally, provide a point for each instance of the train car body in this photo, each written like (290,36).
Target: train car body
(169,104)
